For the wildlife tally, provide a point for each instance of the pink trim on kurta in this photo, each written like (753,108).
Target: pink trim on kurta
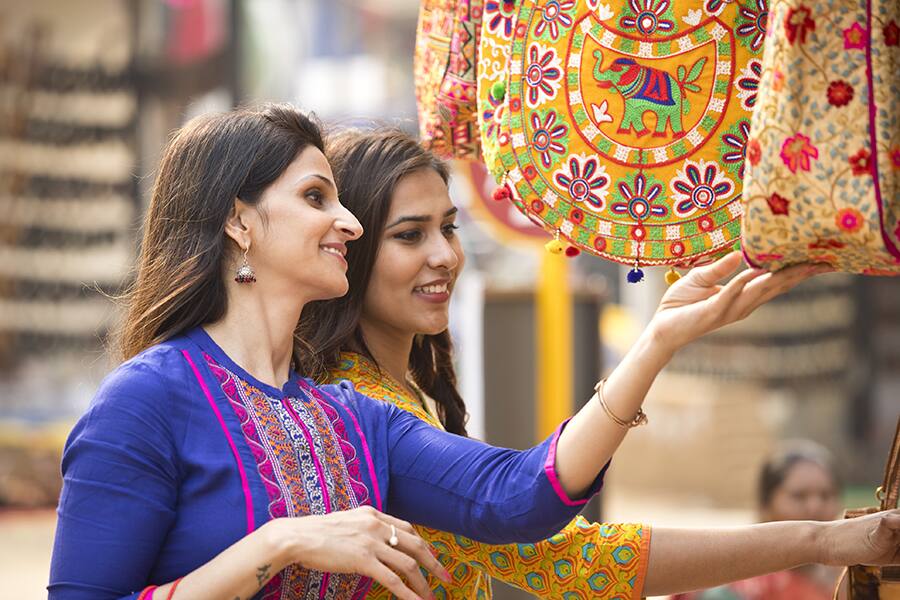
(312,450)
(245,485)
(550,470)
(873,135)
(365,446)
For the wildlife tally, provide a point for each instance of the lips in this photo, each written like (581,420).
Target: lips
(337,250)
(438,288)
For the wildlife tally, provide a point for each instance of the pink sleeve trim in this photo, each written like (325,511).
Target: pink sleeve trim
(248,499)
(365,445)
(550,470)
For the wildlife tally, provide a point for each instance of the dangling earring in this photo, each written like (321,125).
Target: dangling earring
(245,272)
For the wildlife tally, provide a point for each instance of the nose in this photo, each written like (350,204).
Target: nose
(442,254)
(347,223)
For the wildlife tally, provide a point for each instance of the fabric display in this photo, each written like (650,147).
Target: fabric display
(445,76)
(68,156)
(823,179)
(621,127)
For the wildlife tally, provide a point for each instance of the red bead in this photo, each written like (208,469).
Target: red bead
(502,193)
(572,251)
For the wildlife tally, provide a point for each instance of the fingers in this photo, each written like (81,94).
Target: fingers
(711,274)
(419,549)
(773,285)
(406,567)
(389,579)
(733,289)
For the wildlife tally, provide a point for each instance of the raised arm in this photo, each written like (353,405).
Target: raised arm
(692,307)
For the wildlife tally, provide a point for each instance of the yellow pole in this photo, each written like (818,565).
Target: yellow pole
(553,323)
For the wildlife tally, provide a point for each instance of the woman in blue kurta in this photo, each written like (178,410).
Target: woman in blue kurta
(208,467)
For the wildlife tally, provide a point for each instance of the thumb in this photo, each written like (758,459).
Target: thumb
(709,275)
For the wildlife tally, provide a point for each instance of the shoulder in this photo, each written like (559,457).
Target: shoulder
(149,375)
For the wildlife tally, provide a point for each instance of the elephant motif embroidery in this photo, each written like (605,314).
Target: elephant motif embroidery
(649,89)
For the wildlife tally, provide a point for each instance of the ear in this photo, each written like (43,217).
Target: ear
(238,223)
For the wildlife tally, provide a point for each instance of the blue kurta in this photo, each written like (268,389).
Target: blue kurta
(182,453)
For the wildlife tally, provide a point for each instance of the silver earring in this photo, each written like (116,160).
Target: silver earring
(245,273)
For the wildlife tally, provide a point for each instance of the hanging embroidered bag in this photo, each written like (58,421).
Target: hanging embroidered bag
(621,127)
(823,179)
(444,74)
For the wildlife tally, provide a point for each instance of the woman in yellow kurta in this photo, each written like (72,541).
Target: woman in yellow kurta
(389,336)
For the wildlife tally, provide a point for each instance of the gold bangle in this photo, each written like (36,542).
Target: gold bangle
(639,419)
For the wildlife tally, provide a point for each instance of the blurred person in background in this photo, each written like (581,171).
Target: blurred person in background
(389,336)
(208,467)
(799,482)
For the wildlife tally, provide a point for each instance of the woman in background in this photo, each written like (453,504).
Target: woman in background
(799,481)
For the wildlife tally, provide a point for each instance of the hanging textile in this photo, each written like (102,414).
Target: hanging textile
(823,180)
(621,127)
(444,74)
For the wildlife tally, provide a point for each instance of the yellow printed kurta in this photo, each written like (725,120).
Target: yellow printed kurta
(585,560)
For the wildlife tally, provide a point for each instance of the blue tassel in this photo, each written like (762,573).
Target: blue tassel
(635,275)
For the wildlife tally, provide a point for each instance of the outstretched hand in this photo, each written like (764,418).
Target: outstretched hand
(870,540)
(698,304)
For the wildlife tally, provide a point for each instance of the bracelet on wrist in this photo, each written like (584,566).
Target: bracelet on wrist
(639,419)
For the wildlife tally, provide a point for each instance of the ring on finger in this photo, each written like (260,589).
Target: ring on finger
(393,540)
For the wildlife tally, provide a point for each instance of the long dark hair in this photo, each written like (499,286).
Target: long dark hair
(179,281)
(776,469)
(367,166)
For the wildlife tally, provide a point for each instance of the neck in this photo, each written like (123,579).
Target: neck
(389,348)
(257,331)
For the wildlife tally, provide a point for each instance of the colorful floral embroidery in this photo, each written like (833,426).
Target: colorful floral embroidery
(550,136)
(849,219)
(861,163)
(796,152)
(891,33)
(543,74)
(698,186)
(748,84)
(646,16)
(751,26)
(754,152)
(839,93)
(585,180)
(499,15)
(554,13)
(798,23)
(855,37)
(734,148)
(640,199)
(778,204)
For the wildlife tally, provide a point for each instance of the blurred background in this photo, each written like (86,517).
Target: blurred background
(90,91)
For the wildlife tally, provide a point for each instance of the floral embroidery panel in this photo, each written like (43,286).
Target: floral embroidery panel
(823,173)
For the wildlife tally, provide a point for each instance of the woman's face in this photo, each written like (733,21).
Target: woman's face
(418,261)
(300,231)
(807,493)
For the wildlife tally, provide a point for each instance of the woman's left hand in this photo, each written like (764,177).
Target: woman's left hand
(869,540)
(697,304)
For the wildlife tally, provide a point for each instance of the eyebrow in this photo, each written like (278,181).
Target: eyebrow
(421,218)
(321,178)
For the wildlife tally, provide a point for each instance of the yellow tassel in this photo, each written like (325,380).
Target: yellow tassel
(555,247)
(672,276)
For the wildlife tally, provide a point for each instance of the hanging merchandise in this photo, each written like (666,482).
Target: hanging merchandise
(444,73)
(823,179)
(620,127)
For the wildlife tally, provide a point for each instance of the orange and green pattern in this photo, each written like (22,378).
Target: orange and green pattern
(583,561)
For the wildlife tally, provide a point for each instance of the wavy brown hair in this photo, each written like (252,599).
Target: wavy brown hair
(184,254)
(367,167)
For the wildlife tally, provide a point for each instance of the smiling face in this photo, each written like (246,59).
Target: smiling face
(418,260)
(298,234)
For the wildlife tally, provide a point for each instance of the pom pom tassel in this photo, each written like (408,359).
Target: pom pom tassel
(672,276)
(635,275)
(554,246)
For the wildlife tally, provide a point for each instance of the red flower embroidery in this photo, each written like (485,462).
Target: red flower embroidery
(855,37)
(839,93)
(891,34)
(861,163)
(826,245)
(754,152)
(778,204)
(849,220)
(797,23)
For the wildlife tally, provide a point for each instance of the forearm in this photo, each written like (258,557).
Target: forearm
(689,559)
(592,437)
(238,572)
